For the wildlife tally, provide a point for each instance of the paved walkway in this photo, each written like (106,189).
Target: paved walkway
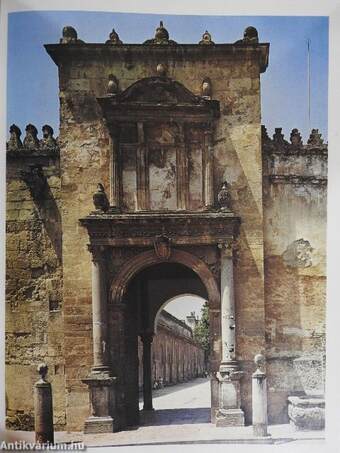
(186,403)
(182,417)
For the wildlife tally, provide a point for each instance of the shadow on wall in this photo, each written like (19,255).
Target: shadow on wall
(46,205)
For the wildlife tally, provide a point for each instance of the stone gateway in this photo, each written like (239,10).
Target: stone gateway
(161,183)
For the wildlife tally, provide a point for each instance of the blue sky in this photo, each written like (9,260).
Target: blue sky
(32,84)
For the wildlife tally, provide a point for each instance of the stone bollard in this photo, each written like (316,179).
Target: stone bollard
(43,410)
(259,398)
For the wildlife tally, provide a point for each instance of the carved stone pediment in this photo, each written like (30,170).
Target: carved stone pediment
(154,94)
(154,90)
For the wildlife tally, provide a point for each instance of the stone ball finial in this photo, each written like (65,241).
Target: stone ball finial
(114,38)
(259,360)
(100,200)
(206,88)
(206,39)
(69,35)
(161,69)
(223,197)
(161,33)
(250,35)
(113,84)
(42,370)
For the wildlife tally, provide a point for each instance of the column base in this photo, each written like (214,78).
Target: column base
(260,430)
(103,417)
(229,417)
(96,425)
(229,412)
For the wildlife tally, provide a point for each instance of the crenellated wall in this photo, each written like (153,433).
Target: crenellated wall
(34,275)
(295,212)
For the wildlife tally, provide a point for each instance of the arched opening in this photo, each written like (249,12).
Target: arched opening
(146,293)
(180,386)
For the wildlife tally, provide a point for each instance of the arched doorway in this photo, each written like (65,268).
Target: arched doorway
(180,386)
(146,293)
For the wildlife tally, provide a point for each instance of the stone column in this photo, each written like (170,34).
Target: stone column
(208,169)
(100,381)
(259,398)
(43,408)
(229,375)
(147,372)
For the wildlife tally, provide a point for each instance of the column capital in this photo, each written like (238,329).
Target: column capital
(229,247)
(97,252)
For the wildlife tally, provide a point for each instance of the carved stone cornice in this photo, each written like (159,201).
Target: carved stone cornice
(137,52)
(141,229)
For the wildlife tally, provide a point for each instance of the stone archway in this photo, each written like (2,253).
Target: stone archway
(146,259)
(126,292)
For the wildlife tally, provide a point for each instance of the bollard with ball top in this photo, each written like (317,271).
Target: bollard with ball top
(43,410)
(259,398)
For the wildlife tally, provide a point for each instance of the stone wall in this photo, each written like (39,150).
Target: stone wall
(176,357)
(295,212)
(34,322)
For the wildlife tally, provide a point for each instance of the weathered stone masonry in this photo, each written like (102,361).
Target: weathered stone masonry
(162,126)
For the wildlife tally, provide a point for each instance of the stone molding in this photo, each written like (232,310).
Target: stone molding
(135,52)
(141,229)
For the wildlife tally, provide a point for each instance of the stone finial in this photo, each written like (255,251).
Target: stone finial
(31,140)
(42,370)
(264,134)
(161,32)
(315,138)
(278,137)
(113,84)
(223,197)
(295,138)
(114,38)
(260,362)
(48,141)
(70,36)
(161,69)
(206,39)
(250,35)
(14,141)
(161,36)
(100,200)
(206,88)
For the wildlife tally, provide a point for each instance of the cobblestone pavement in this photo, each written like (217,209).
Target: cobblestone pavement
(182,418)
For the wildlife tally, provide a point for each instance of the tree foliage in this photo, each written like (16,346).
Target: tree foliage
(201,330)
